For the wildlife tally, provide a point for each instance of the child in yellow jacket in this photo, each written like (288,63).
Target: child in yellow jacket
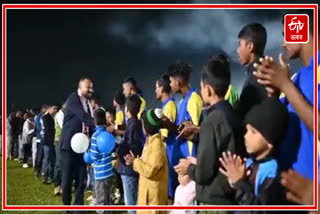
(152,166)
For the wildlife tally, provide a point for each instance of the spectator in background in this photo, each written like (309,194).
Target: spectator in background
(58,120)
(130,88)
(48,144)
(39,135)
(22,118)
(15,123)
(95,102)
(27,135)
(8,137)
(118,102)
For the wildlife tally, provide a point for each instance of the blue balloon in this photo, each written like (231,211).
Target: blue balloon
(87,158)
(106,142)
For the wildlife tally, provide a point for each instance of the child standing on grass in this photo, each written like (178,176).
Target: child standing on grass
(102,163)
(132,143)
(152,166)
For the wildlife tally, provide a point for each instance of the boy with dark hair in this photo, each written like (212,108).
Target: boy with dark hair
(218,133)
(169,109)
(118,102)
(102,163)
(190,109)
(252,42)
(132,142)
(95,102)
(256,180)
(130,88)
(298,96)
(110,116)
(152,166)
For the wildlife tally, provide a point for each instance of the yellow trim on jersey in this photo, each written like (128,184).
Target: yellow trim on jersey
(228,92)
(282,95)
(319,149)
(119,118)
(318,75)
(170,111)
(194,107)
(142,107)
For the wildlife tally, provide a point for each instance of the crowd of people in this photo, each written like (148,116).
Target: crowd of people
(212,148)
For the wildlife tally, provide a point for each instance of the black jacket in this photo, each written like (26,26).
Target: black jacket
(252,93)
(74,116)
(217,135)
(261,187)
(132,140)
(49,129)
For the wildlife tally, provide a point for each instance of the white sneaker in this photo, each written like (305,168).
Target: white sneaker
(25,166)
(92,202)
(90,198)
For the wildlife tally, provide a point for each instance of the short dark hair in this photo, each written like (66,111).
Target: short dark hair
(96,98)
(164,82)
(217,74)
(85,78)
(133,103)
(255,33)
(180,69)
(119,97)
(99,116)
(309,12)
(132,81)
(111,111)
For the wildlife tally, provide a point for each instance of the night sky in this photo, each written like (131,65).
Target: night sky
(49,50)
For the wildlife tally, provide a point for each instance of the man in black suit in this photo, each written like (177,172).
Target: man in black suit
(77,118)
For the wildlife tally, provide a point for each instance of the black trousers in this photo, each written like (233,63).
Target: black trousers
(39,157)
(15,146)
(73,167)
(26,152)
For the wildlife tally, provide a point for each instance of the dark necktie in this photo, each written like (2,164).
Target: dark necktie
(88,107)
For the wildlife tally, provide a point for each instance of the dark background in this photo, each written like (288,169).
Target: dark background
(49,50)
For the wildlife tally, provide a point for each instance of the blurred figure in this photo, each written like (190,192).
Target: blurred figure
(8,138)
(48,144)
(39,132)
(58,119)
(27,135)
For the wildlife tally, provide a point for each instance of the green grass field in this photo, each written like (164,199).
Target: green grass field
(25,189)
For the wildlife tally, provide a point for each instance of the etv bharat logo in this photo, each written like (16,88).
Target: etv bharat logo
(296,28)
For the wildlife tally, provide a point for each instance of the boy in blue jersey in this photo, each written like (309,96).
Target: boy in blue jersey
(219,132)
(256,179)
(102,163)
(163,91)
(190,108)
(297,149)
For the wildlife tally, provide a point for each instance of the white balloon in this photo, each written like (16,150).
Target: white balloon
(79,142)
